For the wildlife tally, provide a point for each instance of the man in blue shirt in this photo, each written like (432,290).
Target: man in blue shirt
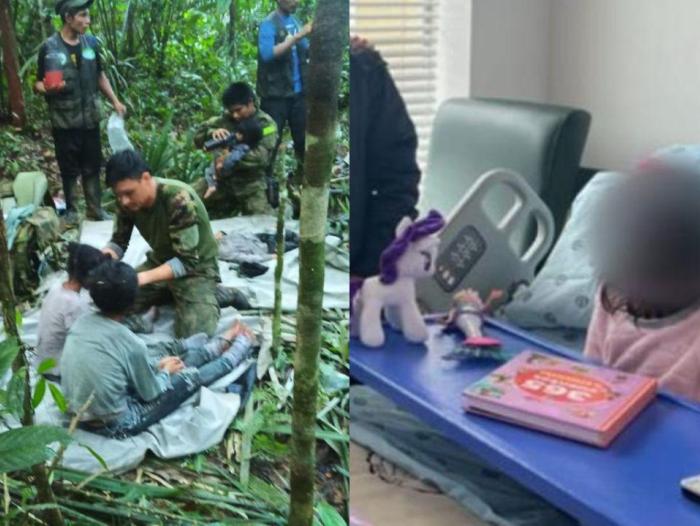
(282,60)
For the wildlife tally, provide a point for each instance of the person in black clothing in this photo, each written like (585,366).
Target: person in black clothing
(384,175)
(283,56)
(69,75)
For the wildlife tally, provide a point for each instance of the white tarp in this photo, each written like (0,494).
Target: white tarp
(202,421)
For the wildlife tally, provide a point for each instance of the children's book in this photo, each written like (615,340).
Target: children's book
(571,399)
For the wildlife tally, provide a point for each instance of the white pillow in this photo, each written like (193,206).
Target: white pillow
(561,295)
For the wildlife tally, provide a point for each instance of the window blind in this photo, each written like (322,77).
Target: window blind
(406,34)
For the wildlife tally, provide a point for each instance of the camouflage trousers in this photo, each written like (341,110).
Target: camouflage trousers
(194,299)
(235,197)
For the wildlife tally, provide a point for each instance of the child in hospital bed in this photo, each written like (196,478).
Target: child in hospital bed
(646,255)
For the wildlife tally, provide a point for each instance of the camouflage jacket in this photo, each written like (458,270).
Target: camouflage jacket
(177,229)
(254,164)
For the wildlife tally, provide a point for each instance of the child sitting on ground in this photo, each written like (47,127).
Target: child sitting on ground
(248,134)
(108,376)
(64,304)
(647,256)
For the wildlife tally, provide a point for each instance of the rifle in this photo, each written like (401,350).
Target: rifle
(215,144)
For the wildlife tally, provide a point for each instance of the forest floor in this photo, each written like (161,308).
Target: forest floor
(221,485)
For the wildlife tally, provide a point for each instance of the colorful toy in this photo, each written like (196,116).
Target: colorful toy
(467,315)
(409,257)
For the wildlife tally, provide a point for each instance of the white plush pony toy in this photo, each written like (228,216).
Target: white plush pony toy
(410,256)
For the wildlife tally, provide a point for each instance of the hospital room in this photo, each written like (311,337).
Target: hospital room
(525,257)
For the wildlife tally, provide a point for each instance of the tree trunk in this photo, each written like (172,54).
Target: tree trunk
(128,31)
(171,10)
(280,175)
(11,66)
(46,27)
(232,28)
(9,306)
(328,42)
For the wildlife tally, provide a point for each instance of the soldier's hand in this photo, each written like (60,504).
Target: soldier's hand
(143,278)
(111,253)
(220,133)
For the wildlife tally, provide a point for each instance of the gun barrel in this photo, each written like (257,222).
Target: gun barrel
(214,144)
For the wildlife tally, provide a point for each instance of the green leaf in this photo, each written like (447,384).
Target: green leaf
(8,351)
(328,515)
(46,365)
(26,446)
(97,456)
(58,397)
(18,318)
(15,393)
(39,392)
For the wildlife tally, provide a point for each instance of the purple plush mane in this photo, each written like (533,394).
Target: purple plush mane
(388,272)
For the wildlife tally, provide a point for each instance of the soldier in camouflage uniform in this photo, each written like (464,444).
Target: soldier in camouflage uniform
(244,191)
(182,265)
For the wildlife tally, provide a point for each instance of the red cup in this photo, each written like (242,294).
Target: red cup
(53,79)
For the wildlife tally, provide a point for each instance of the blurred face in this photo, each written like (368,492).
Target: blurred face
(240,112)
(80,22)
(288,6)
(136,194)
(646,239)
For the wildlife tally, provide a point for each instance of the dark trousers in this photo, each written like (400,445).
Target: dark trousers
(79,154)
(289,111)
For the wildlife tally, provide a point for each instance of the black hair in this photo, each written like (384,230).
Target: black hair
(113,287)
(127,164)
(69,11)
(237,93)
(82,260)
(251,130)
(646,242)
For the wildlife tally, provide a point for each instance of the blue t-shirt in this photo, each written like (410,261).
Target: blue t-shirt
(266,44)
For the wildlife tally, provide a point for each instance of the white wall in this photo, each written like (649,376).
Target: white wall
(635,65)
(510,49)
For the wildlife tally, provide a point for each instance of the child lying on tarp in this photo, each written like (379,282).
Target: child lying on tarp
(64,304)
(106,362)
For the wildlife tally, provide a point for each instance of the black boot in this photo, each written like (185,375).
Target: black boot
(93,199)
(231,297)
(69,185)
